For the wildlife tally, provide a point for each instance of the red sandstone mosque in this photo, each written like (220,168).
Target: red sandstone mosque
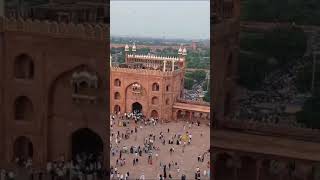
(154,86)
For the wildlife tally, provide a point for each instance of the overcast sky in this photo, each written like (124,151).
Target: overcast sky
(169,19)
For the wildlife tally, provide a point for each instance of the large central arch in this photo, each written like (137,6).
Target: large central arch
(136,107)
(135,98)
(86,141)
(23,148)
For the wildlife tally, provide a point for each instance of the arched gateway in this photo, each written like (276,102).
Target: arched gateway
(136,107)
(86,141)
(23,148)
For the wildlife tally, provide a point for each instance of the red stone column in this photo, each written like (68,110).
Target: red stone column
(190,116)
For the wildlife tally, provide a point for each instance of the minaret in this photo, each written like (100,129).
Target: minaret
(172,65)
(126,50)
(180,51)
(184,54)
(164,65)
(134,49)
(180,60)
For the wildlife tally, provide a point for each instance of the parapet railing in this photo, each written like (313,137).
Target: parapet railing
(146,71)
(274,129)
(155,57)
(51,28)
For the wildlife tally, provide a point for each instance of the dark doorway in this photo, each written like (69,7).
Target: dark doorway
(23,148)
(136,107)
(86,141)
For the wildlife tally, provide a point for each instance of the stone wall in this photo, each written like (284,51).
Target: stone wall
(56,50)
(54,29)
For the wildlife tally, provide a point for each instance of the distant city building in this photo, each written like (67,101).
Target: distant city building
(194,45)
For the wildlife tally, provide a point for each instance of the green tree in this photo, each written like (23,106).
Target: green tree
(252,70)
(199,76)
(188,83)
(261,53)
(285,44)
(207,96)
(143,51)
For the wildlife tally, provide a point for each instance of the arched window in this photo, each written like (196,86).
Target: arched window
(23,148)
(23,109)
(117,95)
(167,87)
(117,82)
(180,114)
(23,67)
(84,85)
(167,101)
(154,100)
(155,87)
(117,109)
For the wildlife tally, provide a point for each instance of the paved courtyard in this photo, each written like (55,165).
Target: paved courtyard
(187,161)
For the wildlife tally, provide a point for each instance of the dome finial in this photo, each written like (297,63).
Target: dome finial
(126,48)
(184,51)
(180,50)
(134,48)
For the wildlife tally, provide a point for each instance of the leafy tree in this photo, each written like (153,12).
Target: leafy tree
(188,83)
(207,96)
(285,44)
(199,76)
(252,69)
(261,53)
(143,51)
(206,85)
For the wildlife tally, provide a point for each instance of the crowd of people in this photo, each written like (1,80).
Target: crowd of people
(277,91)
(152,144)
(146,151)
(86,166)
